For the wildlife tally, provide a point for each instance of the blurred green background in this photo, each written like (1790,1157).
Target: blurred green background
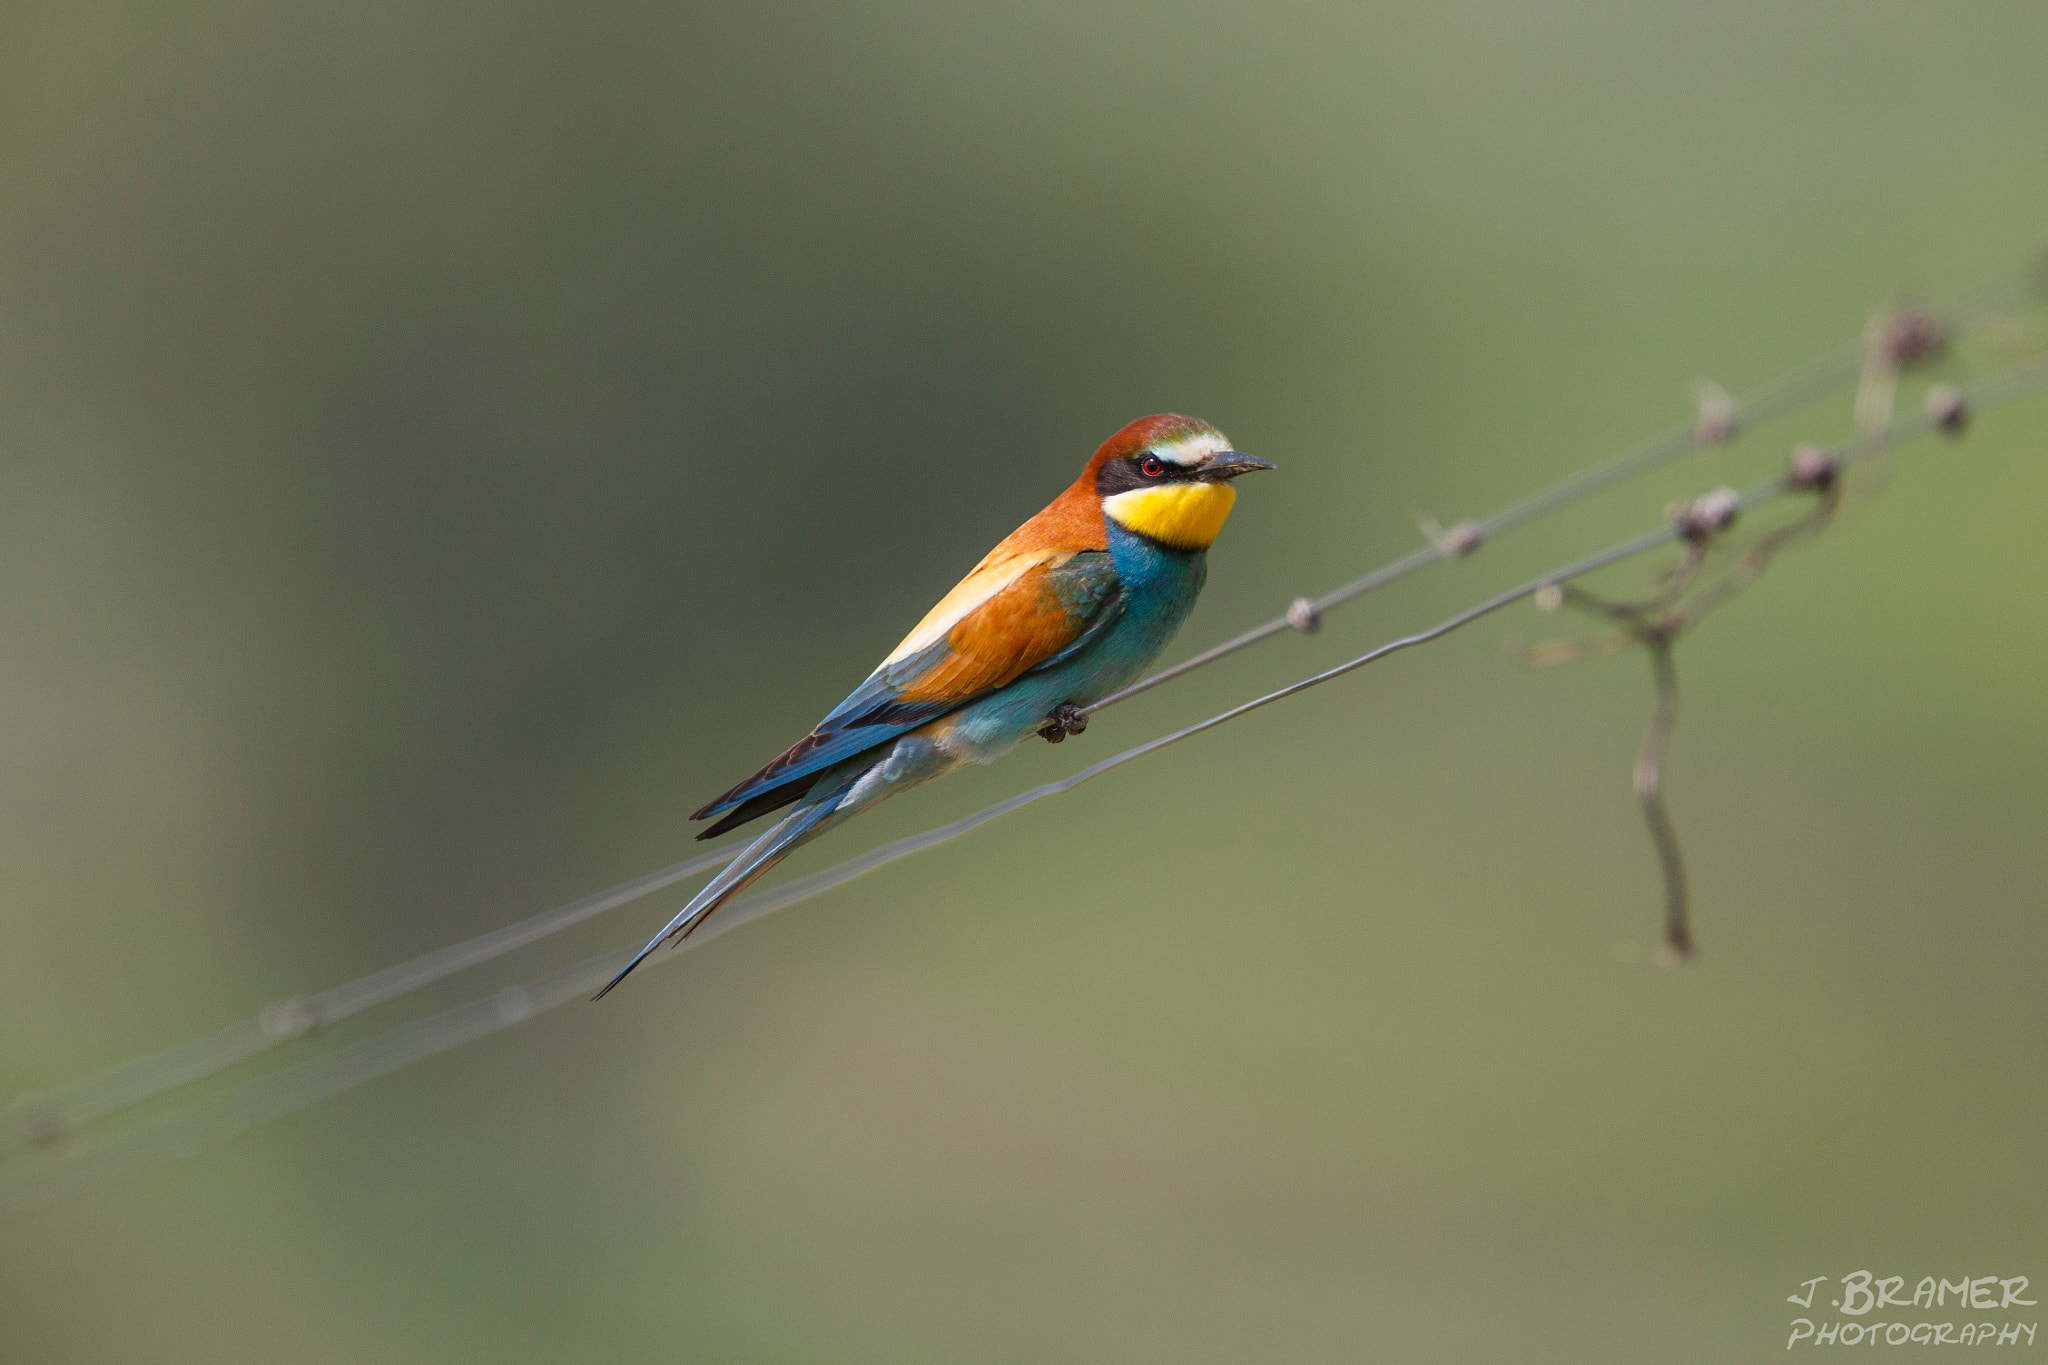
(442,444)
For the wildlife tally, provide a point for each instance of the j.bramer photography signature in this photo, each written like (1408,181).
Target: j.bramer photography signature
(1863,1295)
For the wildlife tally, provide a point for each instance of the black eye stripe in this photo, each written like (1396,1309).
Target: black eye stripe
(1123,475)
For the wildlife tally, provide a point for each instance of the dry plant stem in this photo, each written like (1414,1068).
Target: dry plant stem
(1656,636)
(1654,623)
(1677,579)
(1758,556)
(1649,779)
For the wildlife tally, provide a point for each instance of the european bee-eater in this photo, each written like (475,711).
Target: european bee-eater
(1070,607)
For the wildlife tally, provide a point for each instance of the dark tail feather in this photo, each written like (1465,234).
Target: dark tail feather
(754,807)
(789,758)
(775,844)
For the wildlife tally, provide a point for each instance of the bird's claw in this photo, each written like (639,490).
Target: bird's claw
(1066,719)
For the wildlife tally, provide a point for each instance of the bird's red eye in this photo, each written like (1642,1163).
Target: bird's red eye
(1152,466)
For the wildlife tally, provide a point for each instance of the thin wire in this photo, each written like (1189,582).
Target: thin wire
(1970,314)
(43,1178)
(45,1118)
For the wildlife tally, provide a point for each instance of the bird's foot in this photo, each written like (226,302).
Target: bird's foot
(1066,719)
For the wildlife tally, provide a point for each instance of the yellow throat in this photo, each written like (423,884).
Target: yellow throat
(1185,516)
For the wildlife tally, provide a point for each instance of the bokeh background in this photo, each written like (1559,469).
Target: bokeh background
(442,443)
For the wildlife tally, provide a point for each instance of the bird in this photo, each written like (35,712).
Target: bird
(1068,608)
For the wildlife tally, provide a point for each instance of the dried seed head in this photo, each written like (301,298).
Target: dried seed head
(1303,616)
(1715,421)
(1708,513)
(1947,406)
(1813,467)
(1455,542)
(1902,338)
(1462,540)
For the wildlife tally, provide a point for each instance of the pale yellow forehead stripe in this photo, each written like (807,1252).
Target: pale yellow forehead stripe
(1186,516)
(1192,450)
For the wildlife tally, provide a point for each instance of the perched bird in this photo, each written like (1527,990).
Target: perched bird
(1070,607)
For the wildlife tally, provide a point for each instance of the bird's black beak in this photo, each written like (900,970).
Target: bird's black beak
(1228,465)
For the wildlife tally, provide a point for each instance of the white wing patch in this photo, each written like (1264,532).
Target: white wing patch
(987,579)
